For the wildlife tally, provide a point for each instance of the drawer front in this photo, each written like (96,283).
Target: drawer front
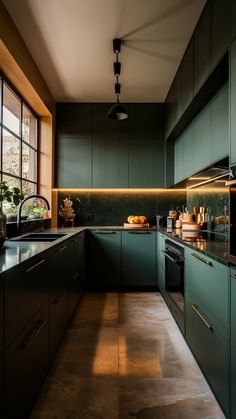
(210,349)
(26,290)
(74,292)
(61,263)
(26,367)
(208,282)
(58,319)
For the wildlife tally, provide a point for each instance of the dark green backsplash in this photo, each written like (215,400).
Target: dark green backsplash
(113,208)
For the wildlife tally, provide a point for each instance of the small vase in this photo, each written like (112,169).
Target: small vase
(3,227)
(68,223)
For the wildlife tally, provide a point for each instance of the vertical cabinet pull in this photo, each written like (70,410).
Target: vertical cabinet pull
(202,259)
(195,308)
(139,232)
(29,339)
(105,232)
(35,266)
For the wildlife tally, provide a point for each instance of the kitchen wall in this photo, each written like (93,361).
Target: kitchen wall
(113,208)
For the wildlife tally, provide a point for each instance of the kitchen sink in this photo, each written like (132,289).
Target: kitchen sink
(39,237)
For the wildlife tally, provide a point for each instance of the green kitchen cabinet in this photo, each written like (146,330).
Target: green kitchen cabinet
(178,159)
(178,93)
(209,348)
(201,152)
(76,279)
(26,366)
(103,259)
(233,102)
(146,120)
(104,127)
(170,111)
(219,30)
(207,281)
(232,19)
(146,162)
(188,139)
(220,124)
(233,342)
(110,162)
(138,263)
(201,41)
(74,145)
(161,262)
(187,77)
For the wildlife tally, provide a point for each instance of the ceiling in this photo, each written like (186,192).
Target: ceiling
(71,43)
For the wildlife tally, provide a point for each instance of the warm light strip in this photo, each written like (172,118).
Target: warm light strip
(120,190)
(206,181)
(199,178)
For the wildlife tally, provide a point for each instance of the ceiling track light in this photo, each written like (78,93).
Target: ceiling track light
(117,111)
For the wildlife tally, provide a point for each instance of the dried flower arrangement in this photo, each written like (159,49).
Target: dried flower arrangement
(66,211)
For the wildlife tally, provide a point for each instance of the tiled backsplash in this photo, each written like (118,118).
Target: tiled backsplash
(113,208)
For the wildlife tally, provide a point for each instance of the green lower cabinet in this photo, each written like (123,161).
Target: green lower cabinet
(58,320)
(103,259)
(233,102)
(210,349)
(161,262)
(138,258)
(233,343)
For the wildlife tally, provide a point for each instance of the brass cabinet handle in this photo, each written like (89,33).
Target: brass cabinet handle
(62,248)
(35,266)
(233,276)
(168,256)
(105,232)
(202,259)
(195,308)
(27,342)
(139,232)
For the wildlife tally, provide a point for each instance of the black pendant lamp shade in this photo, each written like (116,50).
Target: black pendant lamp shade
(117,111)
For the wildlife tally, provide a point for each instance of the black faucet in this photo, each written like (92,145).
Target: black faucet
(20,209)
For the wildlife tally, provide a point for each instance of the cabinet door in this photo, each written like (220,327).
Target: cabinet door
(1,387)
(188,139)
(74,145)
(210,349)
(104,259)
(26,365)
(110,162)
(75,280)
(61,272)
(138,258)
(1,317)
(220,124)
(233,19)
(202,50)
(201,153)
(146,162)
(219,30)
(170,111)
(207,281)
(178,152)
(187,77)
(58,319)
(178,93)
(233,343)
(233,103)
(26,290)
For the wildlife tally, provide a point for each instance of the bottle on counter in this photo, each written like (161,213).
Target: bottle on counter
(194,215)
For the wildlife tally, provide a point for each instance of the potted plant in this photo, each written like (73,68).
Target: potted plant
(11,196)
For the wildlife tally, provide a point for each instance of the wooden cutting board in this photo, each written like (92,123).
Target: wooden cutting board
(128,225)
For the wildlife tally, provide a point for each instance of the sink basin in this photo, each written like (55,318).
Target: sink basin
(39,237)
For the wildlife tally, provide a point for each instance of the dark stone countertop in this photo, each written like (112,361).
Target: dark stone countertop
(215,249)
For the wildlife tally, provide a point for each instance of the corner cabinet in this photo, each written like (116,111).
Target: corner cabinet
(233,343)
(138,267)
(207,320)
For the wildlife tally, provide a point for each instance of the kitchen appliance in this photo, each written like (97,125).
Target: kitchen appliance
(170,224)
(161,220)
(174,280)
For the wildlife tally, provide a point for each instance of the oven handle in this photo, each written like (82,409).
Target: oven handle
(177,261)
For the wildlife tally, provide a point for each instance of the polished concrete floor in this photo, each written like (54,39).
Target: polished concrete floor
(124,357)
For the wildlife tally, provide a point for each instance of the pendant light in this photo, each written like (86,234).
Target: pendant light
(117,111)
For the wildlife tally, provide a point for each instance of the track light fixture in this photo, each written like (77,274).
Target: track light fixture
(117,111)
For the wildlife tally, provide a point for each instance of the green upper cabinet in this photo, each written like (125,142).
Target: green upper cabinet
(187,77)
(146,146)
(178,93)
(201,152)
(178,159)
(170,112)
(233,102)
(104,127)
(202,50)
(219,30)
(220,124)
(74,145)
(138,258)
(233,343)
(110,162)
(233,19)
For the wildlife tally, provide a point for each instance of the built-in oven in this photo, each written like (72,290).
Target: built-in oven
(174,279)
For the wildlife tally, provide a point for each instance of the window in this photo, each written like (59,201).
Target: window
(18,140)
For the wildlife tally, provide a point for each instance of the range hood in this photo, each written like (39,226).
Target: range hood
(217,172)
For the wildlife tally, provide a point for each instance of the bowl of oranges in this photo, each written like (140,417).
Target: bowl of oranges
(136,221)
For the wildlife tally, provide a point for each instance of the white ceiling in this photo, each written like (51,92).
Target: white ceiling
(71,42)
